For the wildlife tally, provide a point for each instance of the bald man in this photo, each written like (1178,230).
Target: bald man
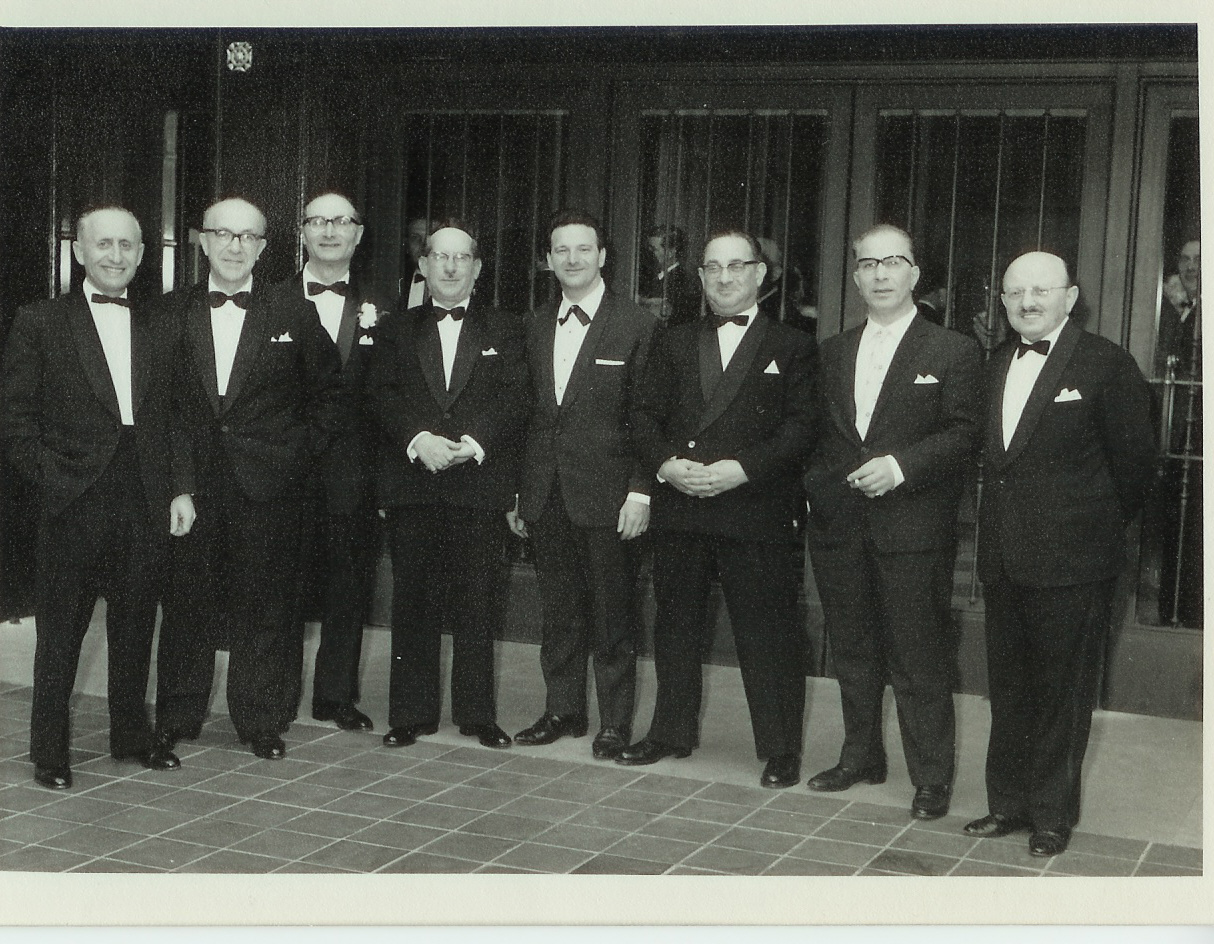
(1069,453)
(259,381)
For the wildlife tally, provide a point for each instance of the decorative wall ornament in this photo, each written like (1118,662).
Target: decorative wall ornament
(240,57)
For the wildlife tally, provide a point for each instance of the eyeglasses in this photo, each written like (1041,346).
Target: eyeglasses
(713,270)
(889,263)
(460,258)
(318,223)
(1016,295)
(225,237)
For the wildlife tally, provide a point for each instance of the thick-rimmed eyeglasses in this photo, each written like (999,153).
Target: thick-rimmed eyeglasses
(318,224)
(889,264)
(459,258)
(225,237)
(713,271)
(1017,295)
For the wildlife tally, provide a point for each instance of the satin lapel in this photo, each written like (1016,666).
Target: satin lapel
(467,352)
(845,394)
(199,318)
(994,417)
(141,356)
(585,357)
(430,353)
(735,373)
(349,321)
(1044,390)
(92,354)
(710,360)
(254,335)
(899,373)
(544,333)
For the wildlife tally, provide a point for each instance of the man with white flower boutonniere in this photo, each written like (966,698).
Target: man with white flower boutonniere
(1068,455)
(340,538)
(446,386)
(259,385)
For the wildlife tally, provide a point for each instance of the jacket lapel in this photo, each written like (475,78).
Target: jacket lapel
(349,321)
(542,352)
(203,341)
(141,356)
(1000,361)
(844,400)
(254,335)
(899,373)
(585,357)
(1043,390)
(736,372)
(710,360)
(92,354)
(430,352)
(467,351)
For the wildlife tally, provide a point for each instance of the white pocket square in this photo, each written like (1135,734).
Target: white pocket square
(489,353)
(1065,395)
(771,368)
(283,338)
(926,379)
(366,339)
(608,363)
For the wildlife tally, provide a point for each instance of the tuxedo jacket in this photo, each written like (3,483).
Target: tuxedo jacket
(927,417)
(587,441)
(282,401)
(408,394)
(59,417)
(343,472)
(759,411)
(1055,503)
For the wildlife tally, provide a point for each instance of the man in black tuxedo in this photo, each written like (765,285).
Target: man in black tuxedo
(89,417)
(667,288)
(726,422)
(584,497)
(900,405)
(413,291)
(1068,454)
(259,381)
(447,386)
(340,534)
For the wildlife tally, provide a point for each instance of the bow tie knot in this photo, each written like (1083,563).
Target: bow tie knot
(337,288)
(457,313)
(1042,347)
(219,299)
(575,311)
(99,299)
(719,321)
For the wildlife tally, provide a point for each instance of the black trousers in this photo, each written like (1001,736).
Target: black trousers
(587,582)
(889,619)
(446,574)
(760,587)
(103,544)
(1043,663)
(234,584)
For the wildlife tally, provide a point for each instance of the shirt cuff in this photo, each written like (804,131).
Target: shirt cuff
(657,475)
(410,450)
(899,478)
(638,497)
(477,452)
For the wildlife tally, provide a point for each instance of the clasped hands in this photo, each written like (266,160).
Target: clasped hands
(437,453)
(700,480)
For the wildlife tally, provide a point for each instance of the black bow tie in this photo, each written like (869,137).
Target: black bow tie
(575,312)
(1042,347)
(219,299)
(337,288)
(722,320)
(457,313)
(99,299)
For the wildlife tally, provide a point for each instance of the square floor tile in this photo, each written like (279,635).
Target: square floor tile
(619,865)
(806,867)
(426,863)
(799,802)
(537,766)
(231,862)
(407,788)
(543,858)
(505,826)
(974,868)
(473,798)
(326,823)
(41,859)
(688,830)
(603,774)
(507,781)
(853,831)
(27,828)
(876,814)
(384,761)
(21,799)
(404,836)
(1081,863)
(758,840)
(709,812)
(918,840)
(81,809)
(114,865)
(642,801)
(238,785)
(675,786)
(1158,870)
(752,797)
(442,772)
(161,853)
(477,757)
(574,791)
(1164,854)
(198,802)
(910,862)
(371,805)
(542,808)
(259,813)
(306,795)
(1107,846)
(467,846)
(733,861)
(132,792)
(831,850)
(798,824)
(653,849)
(92,840)
(354,856)
(216,833)
(607,817)
(143,820)
(343,778)
(437,816)
(281,843)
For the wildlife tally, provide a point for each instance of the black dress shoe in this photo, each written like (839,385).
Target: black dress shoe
(268,746)
(53,778)
(156,757)
(609,743)
(490,735)
(551,728)
(408,734)
(648,751)
(931,801)
(783,770)
(840,778)
(346,717)
(994,825)
(1049,842)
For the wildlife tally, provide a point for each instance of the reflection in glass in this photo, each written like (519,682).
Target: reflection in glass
(761,171)
(1171,580)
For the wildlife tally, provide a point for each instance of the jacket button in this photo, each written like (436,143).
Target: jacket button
(692,444)
(223,429)
(446,416)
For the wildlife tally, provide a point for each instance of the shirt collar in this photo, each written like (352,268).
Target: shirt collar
(749,314)
(310,276)
(1052,337)
(896,328)
(590,304)
(212,287)
(88,288)
(464,303)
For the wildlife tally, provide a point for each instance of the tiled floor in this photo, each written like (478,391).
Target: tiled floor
(340,802)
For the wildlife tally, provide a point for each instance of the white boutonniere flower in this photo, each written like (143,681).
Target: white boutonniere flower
(368,316)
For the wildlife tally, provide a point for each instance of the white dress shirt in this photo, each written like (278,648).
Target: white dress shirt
(1022,374)
(448,337)
(227,321)
(114,328)
(417,290)
(570,335)
(329,305)
(730,335)
(878,345)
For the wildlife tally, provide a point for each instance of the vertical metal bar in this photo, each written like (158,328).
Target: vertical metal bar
(219,63)
(301,181)
(535,203)
(558,167)
(784,245)
(912,166)
(1045,151)
(952,226)
(52,230)
(430,170)
(708,176)
(750,156)
(168,202)
(501,196)
(1187,458)
(463,177)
